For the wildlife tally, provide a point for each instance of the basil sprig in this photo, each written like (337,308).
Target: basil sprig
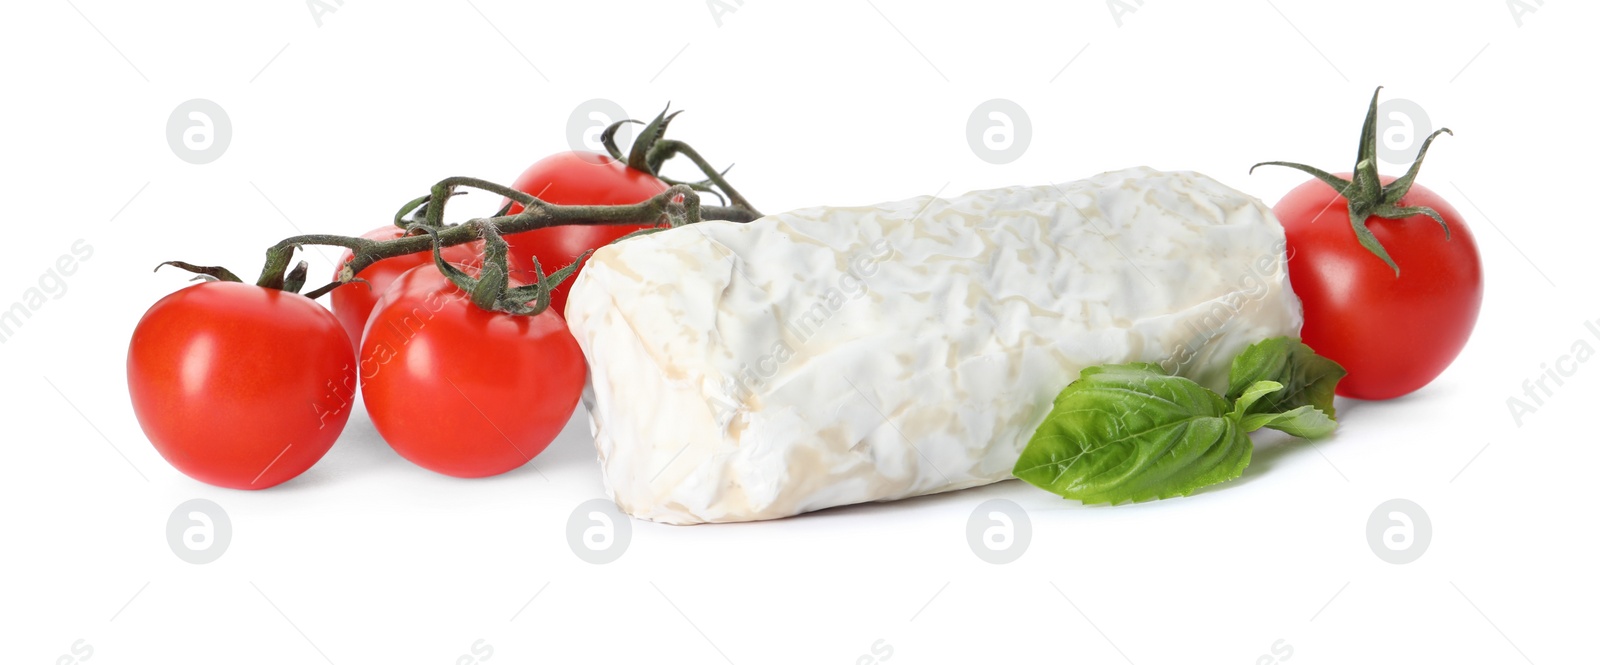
(1132,433)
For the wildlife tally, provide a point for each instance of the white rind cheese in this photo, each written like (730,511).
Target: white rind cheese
(831,356)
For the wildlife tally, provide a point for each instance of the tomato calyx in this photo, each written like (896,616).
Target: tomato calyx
(491,290)
(203,273)
(640,154)
(291,281)
(1365,192)
(651,149)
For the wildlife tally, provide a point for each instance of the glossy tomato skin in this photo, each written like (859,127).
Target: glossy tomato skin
(240,386)
(353,302)
(1393,334)
(460,390)
(575,178)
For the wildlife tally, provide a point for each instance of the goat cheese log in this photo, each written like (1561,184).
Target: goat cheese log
(831,356)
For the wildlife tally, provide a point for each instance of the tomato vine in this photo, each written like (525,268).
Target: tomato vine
(423,219)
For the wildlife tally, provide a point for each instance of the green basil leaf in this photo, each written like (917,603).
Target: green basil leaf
(1307,378)
(1306,422)
(1132,433)
(1256,391)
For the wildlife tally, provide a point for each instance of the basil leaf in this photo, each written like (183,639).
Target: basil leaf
(1256,391)
(1307,378)
(1131,433)
(1306,422)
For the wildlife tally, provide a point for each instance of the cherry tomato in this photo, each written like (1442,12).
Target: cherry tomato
(353,302)
(575,178)
(464,391)
(240,386)
(1394,334)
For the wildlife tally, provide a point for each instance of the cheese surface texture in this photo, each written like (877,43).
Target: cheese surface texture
(839,355)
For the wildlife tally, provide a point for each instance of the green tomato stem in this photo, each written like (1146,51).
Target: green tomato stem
(1365,192)
(423,219)
(536,214)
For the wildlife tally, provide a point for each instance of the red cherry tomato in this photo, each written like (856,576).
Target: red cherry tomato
(464,391)
(575,178)
(353,302)
(240,386)
(1394,334)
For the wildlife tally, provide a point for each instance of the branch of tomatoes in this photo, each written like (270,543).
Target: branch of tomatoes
(677,206)
(425,229)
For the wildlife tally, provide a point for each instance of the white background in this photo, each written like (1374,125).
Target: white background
(367,558)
